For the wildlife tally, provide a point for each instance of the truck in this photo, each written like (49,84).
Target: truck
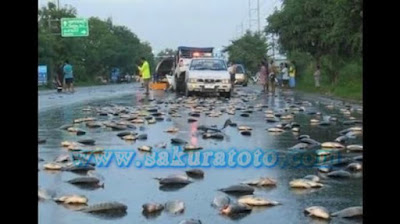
(176,68)
(208,75)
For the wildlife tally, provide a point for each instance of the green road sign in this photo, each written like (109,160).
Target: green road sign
(74,27)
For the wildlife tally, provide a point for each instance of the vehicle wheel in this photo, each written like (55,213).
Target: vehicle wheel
(245,84)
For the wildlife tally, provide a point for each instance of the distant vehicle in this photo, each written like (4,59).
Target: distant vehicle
(181,64)
(241,77)
(208,75)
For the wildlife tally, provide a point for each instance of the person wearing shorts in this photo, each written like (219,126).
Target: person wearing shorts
(68,76)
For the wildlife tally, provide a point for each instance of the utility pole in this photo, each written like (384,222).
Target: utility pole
(258,15)
(254,14)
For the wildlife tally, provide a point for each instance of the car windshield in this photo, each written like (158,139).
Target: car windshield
(208,64)
(239,69)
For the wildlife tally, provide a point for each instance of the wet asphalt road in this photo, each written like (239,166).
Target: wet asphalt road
(135,186)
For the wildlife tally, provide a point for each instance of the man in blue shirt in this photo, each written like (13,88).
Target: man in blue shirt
(69,76)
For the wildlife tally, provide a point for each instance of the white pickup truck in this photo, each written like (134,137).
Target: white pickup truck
(208,75)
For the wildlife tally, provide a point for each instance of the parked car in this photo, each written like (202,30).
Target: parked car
(241,78)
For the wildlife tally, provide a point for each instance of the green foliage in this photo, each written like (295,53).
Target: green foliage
(248,50)
(328,33)
(107,46)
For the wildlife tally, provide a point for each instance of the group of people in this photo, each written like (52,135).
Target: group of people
(65,78)
(271,76)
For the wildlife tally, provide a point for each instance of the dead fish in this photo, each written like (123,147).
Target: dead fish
(335,145)
(238,189)
(137,121)
(304,183)
(152,207)
(78,168)
(233,209)
(175,207)
(189,147)
(324,169)
(129,137)
(322,152)
(159,118)
(256,201)
(190,120)
(145,148)
(45,194)
(296,129)
(318,212)
(72,199)
(213,135)
(339,174)
(77,131)
(52,166)
(220,201)
(178,141)
(245,115)
(244,128)
(190,221)
(275,130)
(303,136)
(300,145)
(310,141)
(207,128)
(92,124)
(125,133)
(105,207)
(350,212)
(354,167)
(142,137)
(174,180)
(194,114)
(41,140)
(312,178)
(261,182)
(66,126)
(341,139)
(86,180)
(195,173)
(355,148)
(358,158)
(272,120)
(152,121)
(172,130)
(246,133)
(324,123)
(161,145)
(87,141)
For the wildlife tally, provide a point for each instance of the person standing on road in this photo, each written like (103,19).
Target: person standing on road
(68,76)
(292,75)
(145,72)
(281,66)
(317,76)
(272,77)
(232,73)
(285,76)
(264,76)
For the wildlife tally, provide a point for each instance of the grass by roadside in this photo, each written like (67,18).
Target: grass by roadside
(348,85)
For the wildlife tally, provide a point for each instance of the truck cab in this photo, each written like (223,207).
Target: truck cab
(182,61)
(208,75)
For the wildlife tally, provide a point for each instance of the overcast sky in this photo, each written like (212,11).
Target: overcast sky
(172,23)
